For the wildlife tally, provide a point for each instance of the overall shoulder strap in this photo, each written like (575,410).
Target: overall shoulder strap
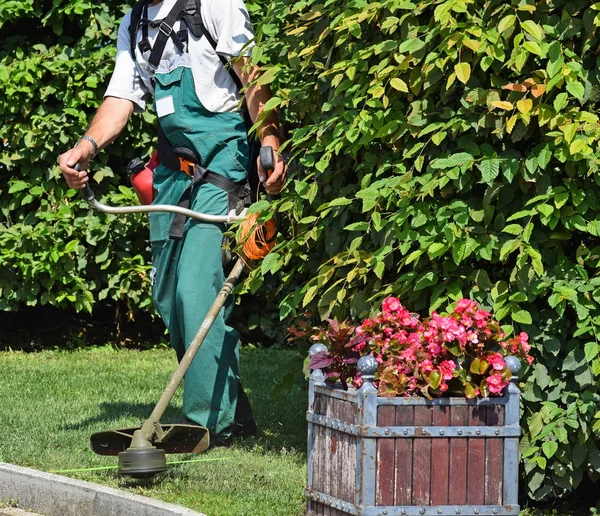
(136,16)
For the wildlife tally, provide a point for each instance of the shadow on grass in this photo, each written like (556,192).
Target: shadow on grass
(119,410)
(280,417)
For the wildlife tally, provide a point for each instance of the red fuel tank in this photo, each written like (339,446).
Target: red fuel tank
(140,175)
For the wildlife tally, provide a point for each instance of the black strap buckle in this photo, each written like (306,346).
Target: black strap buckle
(144,45)
(166,31)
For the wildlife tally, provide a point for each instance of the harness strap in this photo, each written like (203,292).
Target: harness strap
(165,31)
(185,160)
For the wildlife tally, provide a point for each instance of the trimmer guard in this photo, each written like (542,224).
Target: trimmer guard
(174,439)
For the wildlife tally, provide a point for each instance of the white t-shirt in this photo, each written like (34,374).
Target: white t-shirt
(227,21)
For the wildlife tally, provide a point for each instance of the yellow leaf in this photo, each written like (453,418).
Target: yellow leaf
(510,124)
(544,115)
(525,105)
(399,84)
(502,104)
(569,131)
(450,80)
(472,44)
(577,146)
(463,72)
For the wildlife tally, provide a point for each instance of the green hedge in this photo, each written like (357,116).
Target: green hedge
(450,148)
(55,61)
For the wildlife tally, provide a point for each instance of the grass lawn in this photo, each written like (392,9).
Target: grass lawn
(50,403)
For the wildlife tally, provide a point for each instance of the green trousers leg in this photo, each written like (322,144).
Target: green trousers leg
(188,277)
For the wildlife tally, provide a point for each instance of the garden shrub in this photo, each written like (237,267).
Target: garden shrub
(449,149)
(55,61)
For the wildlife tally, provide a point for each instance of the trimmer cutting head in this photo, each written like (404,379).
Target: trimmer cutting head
(142,458)
(142,462)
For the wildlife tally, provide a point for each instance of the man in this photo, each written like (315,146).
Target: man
(198,107)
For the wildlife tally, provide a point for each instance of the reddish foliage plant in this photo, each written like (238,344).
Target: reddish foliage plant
(339,361)
(459,354)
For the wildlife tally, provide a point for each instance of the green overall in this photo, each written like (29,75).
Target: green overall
(188,273)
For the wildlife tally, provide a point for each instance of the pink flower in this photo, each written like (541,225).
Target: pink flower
(360,347)
(443,387)
(434,348)
(379,358)
(391,304)
(357,381)
(408,354)
(495,383)
(463,305)
(367,324)
(446,368)
(496,361)
(523,338)
(426,366)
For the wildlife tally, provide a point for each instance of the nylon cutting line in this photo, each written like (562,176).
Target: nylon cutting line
(115,467)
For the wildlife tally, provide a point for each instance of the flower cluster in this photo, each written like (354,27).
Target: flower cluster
(461,353)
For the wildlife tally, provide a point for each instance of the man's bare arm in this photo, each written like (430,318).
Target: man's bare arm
(268,133)
(110,119)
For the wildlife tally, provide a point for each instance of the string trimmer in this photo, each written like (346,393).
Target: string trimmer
(142,450)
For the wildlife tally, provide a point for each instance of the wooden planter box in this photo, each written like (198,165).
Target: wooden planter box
(372,456)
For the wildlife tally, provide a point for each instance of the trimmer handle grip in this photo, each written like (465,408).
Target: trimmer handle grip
(267,159)
(86,192)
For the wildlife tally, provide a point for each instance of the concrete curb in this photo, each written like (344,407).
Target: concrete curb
(55,495)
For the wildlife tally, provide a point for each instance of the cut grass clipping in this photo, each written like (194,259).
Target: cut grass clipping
(51,402)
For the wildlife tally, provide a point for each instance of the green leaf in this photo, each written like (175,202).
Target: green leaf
(357,226)
(521,316)
(310,295)
(340,201)
(506,22)
(18,186)
(426,280)
(411,45)
(435,378)
(533,48)
(490,168)
(533,28)
(576,89)
(513,229)
(549,448)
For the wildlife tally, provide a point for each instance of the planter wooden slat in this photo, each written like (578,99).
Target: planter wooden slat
(404,458)
(386,416)
(458,459)
(494,459)
(476,458)
(440,457)
(421,488)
